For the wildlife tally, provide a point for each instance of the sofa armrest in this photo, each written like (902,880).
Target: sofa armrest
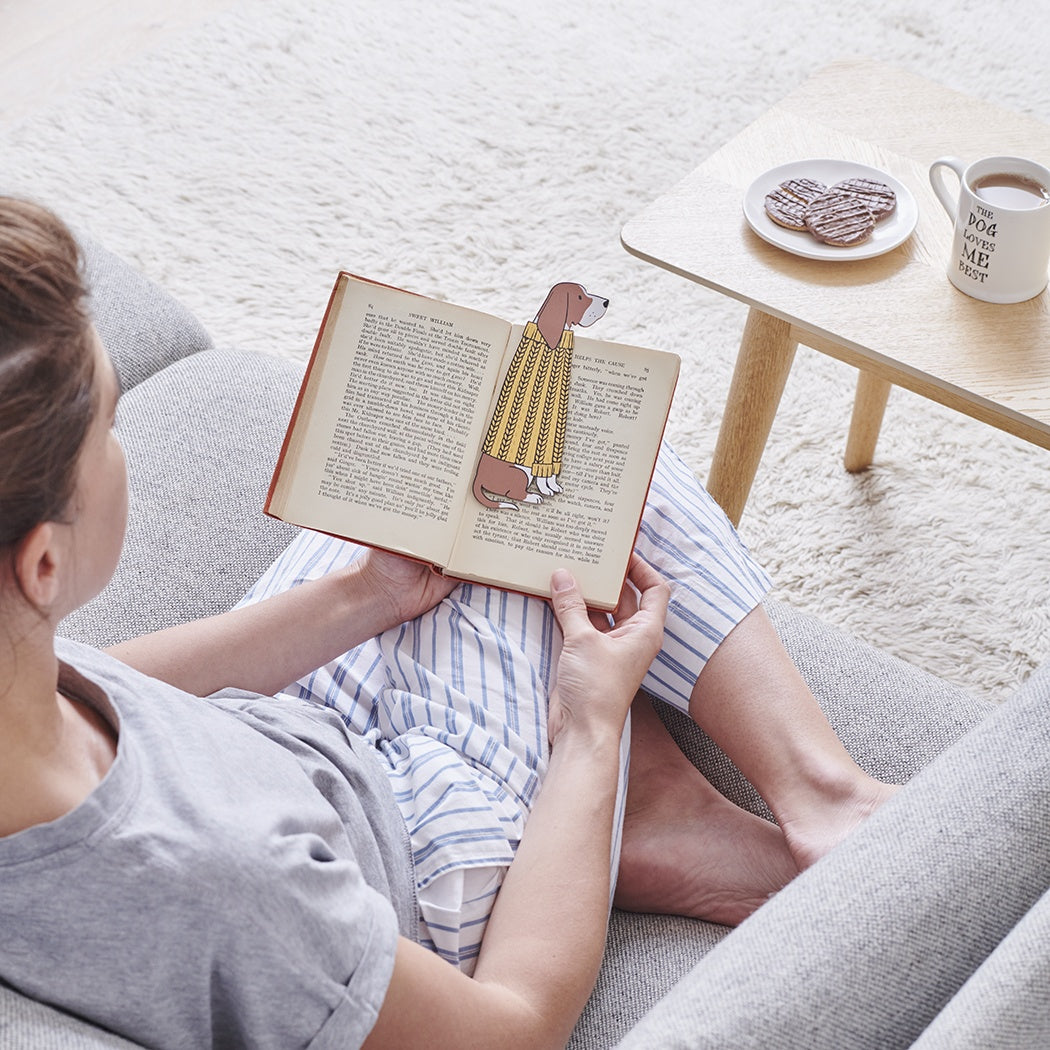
(918,929)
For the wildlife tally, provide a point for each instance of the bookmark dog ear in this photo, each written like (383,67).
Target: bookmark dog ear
(553,315)
(521,457)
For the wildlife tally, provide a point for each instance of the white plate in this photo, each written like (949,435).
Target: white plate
(888,233)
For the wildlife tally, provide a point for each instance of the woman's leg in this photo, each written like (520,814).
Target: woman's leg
(752,701)
(472,644)
(686,849)
(724,664)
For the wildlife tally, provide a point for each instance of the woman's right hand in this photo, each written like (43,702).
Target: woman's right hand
(602,664)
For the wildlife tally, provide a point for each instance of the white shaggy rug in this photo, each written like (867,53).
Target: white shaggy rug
(481,152)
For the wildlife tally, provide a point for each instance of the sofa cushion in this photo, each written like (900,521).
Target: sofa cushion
(201,439)
(142,326)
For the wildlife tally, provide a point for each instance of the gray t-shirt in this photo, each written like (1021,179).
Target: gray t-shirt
(238,879)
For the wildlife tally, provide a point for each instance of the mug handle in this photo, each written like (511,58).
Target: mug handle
(951,205)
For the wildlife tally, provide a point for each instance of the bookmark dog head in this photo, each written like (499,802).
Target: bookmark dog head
(568,304)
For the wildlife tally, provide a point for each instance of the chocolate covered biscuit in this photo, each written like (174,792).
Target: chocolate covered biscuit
(839,218)
(785,209)
(805,189)
(786,205)
(878,197)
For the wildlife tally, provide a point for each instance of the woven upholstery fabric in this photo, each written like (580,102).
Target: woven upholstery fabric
(142,326)
(201,429)
(29,1025)
(1004,1004)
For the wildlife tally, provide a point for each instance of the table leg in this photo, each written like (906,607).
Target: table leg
(767,351)
(869,405)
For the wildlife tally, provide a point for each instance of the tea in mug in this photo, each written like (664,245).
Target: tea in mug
(1007,190)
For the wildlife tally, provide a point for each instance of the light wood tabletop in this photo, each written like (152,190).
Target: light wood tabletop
(895,316)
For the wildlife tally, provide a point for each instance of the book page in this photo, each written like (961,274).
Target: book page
(619,397)
(392,411)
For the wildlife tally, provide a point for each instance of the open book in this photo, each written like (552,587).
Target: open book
(401,395)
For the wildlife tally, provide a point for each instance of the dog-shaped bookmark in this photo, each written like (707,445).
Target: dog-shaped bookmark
(526,437)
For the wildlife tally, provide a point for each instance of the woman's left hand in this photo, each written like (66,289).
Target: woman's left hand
(402,588)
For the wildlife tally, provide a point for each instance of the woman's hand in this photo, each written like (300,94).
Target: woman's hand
(401,588)
(602,664)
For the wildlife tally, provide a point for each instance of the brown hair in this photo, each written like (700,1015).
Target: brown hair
(47,398)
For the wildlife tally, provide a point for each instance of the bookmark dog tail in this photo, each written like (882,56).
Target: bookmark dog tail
(494,475)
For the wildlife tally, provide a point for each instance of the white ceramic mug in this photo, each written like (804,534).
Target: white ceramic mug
(1001,246)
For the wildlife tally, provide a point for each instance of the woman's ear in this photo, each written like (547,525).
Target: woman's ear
(38,566)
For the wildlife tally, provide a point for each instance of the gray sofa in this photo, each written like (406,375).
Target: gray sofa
(201,426)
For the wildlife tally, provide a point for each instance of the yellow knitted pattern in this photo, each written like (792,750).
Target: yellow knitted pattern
(528,424)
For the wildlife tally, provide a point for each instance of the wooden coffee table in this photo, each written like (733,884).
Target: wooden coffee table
(895,317)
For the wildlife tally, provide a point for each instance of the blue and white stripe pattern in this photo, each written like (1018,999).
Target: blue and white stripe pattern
(456,700)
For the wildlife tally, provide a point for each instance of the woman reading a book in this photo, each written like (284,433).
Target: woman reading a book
(445,781)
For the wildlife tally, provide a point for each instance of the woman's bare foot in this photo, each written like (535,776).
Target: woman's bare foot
(686,849)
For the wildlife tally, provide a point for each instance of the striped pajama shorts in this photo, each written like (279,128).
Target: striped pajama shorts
(456,700)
